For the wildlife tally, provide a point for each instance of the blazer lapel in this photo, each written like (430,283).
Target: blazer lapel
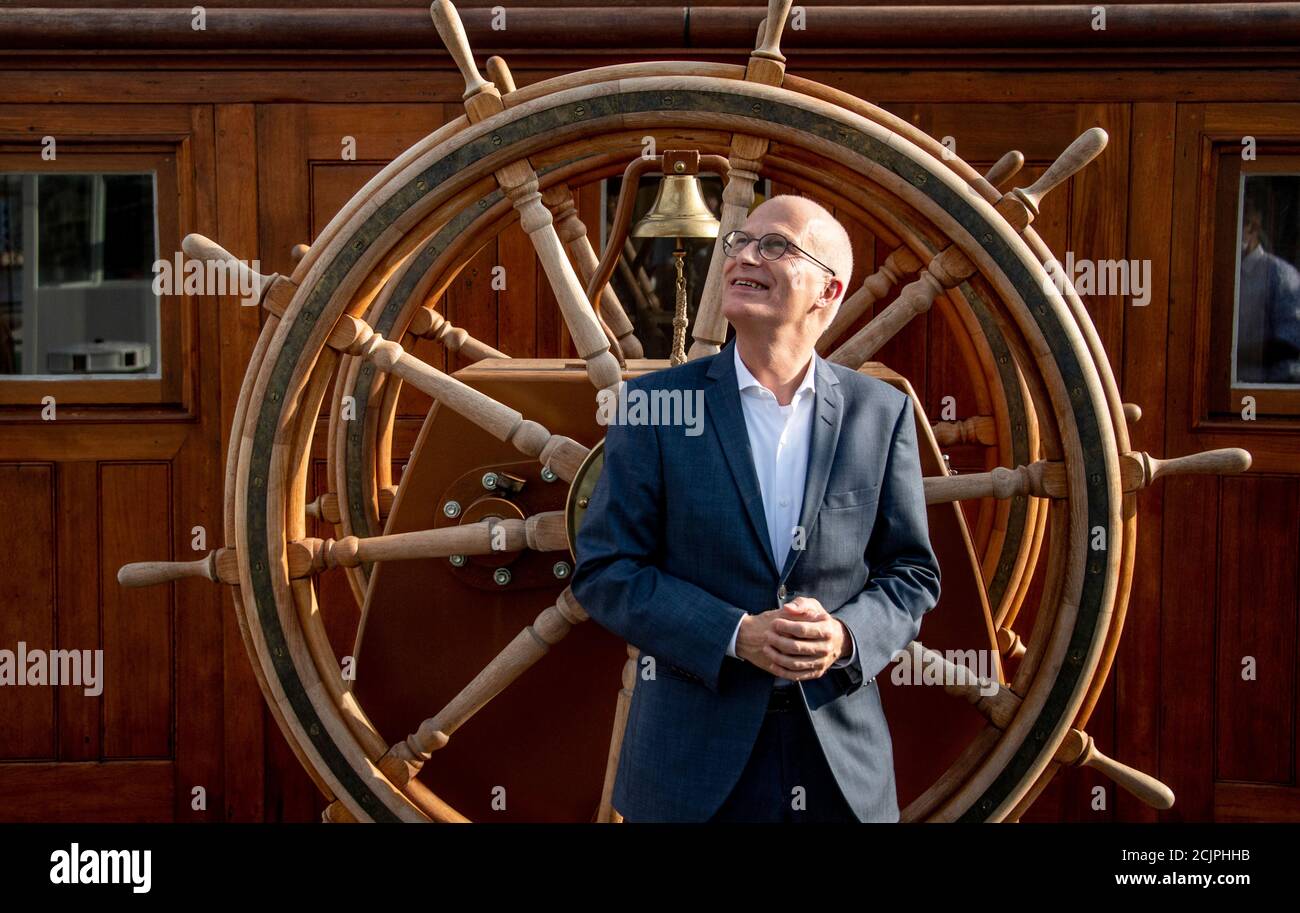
(722,399)
(821,453)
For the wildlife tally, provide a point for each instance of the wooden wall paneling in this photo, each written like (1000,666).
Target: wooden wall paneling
(27,611)
(1256,621)
(1252,802)
(1099,220)
(125,792)
(332,185)
(517,303)
(1098,226)
(75,538)
(198,473)
(1187,645)
(472,301)
(284,216)
(237,188)
(427,78)
(982,130)
(381,132)
(1137,665)
(137,624)
(284,219)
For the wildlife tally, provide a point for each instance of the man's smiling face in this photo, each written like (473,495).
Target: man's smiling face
(762,294)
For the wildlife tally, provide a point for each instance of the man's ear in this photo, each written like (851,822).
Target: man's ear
(840,289)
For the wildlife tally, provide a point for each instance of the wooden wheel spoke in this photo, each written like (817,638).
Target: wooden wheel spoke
(1020,206)
(572,231)
(518,180)
(429,324)
(544,532)
(220,566)
(948,269)
(980,430)
(1005,168)
(900,262)
(326,505)
(744,159)
(1047,478)
(999,705)
(562,454)
(404,760)
(272,292)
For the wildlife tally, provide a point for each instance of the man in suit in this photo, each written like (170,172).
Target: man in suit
(769,567)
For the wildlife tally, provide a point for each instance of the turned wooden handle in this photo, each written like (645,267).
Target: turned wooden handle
(1079,153)
(198,247)
(447,21)
(1079,749)
(778,11)
(499,73)
(152,573)
(1005,168)
(1223,461)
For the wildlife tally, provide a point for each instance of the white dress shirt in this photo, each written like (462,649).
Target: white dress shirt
(779,438)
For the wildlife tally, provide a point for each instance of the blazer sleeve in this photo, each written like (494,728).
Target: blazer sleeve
(617,579)
(904,580)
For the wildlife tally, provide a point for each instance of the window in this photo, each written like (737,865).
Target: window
(1266,305)
(76,275)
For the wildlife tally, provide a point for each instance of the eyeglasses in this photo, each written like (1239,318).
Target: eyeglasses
(772,246)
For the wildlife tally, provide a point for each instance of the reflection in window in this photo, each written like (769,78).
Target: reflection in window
(76,275)
(1267,337)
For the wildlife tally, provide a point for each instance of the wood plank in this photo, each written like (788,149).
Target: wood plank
(135,524)
(283,206)
(1098,221)
(118,791)
(887,78)
(472,302)
(333,183)
(517,318)
(381,132)
(1137,664)
(197,476)
(244,784)
(80,724)
(1187,656)
(1222,25)
(1257,608)
(1248,802)
(69,440)
(27,720)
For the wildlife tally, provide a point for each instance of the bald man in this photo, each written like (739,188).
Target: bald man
(769,569)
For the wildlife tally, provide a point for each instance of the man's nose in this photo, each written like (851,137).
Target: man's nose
(748,254)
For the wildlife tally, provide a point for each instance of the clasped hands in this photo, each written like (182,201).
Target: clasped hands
(799,641)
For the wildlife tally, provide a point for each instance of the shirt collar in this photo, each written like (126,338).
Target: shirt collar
(745,380)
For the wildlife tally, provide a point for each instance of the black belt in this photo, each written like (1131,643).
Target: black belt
(784,700)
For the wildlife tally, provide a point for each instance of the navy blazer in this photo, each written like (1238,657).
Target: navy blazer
(674,549)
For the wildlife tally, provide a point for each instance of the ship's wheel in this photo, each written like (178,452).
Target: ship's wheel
(457,712)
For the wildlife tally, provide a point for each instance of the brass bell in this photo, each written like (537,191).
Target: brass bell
(679,211)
